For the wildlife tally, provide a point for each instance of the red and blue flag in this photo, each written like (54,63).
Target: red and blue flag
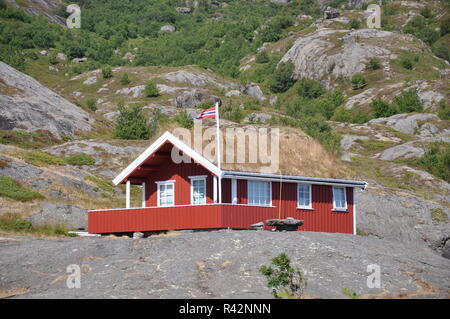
(211,112)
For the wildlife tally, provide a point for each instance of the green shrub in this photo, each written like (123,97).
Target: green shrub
(100,183)
(131,124)
(358,81)
(262,57)
(107,72)
(233,112)
(444,110)
(436,160)
(14,190)
(151,90)
(309,89)
(184,119)
(426,13)
(355,24)
(124,80)
(284,280)
(406,63)
(408,101)
(80,159)
(382,108)
(442,51)
(91,104)
(444,26)
(419,27)
(282,79)
(373,64)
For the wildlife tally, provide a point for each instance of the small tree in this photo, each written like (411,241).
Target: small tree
(358,81)
(373,64)
(91,105)
(283,279)
(282,78)
(107,72)
(355,24)
(131,124)
(184,119)
(151,90)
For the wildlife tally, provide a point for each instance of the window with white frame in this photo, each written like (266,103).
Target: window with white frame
(259,193)
(166,193)
(198,190)
(339,198)
(304,196)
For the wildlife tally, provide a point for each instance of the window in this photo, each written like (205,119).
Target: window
(166,193)
(339,198)
(304,196)
(259,193)
(198,190)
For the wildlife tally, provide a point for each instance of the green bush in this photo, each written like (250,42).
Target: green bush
(131,124)
(436,160)
(419,27)
(284,280)
(444,26)
(14,190)
(91,104)
(442,51)
(426,13)
(184,119)
(233,112)
(107,72)
(408,101)
(444,110)
(38,158)
(151,90)
(358,81)
(355,24)
(80,159)
(406,63)
(309,89)
(382,108)
(282,79)
(373,64)
(262,57)
(124,80)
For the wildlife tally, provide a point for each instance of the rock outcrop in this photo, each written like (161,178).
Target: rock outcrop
(27,104)
(193,98)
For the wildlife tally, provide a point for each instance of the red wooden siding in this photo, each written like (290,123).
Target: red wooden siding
(180,174)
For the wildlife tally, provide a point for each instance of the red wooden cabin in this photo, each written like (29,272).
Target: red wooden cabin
(186,196)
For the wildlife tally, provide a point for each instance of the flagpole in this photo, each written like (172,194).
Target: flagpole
(218,152)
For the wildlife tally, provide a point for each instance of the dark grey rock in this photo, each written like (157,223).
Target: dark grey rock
(331,13)
(73,217)
(217,264)
(193,98)
(446,250)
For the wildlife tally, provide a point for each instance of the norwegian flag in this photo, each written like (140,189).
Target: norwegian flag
(211,112)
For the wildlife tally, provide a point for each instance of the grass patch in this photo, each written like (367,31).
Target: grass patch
(14,190)
(15,223)
(438,215)
(100,183)
(27,140)
(371,147)
(80,159)
(38,158)
(436,160)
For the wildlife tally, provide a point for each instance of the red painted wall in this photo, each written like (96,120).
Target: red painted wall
(180,174)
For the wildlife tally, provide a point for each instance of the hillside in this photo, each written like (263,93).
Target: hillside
(350,102)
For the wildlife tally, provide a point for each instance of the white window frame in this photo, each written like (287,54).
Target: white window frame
(248,193)
(158,184)
(197,178)
(340,209)
(310,196)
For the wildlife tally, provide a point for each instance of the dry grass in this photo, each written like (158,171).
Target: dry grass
(12,292)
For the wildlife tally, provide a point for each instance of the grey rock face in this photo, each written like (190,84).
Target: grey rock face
(399,218)
(348,141)
(197,79)
(193,98)
(134,91)
(72,216)
(406,123)
(183,10)
(90,80)
(258,118)
(254,90)
(221,264)
(312,58)
(36,107)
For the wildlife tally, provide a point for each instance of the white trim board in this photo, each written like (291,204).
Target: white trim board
(166,137)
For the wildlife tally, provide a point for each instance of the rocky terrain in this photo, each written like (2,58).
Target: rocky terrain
(45,119)
(217,264)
